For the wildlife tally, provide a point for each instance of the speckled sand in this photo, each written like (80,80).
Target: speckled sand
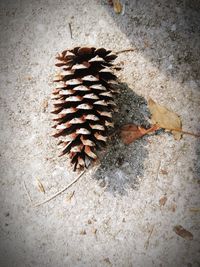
(113,217)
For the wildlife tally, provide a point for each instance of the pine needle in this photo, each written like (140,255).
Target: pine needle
(61,191)
(26,190)
(126,50)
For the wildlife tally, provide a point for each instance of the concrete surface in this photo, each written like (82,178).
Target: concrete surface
(113,217)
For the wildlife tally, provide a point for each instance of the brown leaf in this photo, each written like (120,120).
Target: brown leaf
(165,118)
(179,230)
(117,6)
(131,132)
(40,186)
(162,201)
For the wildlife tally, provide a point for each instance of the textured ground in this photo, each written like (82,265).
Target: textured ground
(114,217)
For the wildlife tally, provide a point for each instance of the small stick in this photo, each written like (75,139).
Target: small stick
(61,191)
(125,50)
(26,190)
(70,30)
(150,234)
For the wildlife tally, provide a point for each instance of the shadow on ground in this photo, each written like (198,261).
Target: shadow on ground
(122,166)
(165,32)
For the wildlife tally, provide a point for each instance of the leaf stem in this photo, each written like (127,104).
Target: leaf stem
(183,132)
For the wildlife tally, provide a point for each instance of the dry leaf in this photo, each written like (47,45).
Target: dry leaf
(179,230)
(40,186)
(117,6)
(162,201)
(131,132)
(165,118)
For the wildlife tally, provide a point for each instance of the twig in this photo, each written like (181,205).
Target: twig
(61,191)
(70,30)
(125,50)
(26,190)
(148,239)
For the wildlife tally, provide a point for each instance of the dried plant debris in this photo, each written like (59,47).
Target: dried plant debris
(165,118)
(179,230)
(83,102)
(70,196)
(131,132)
(146,245)
(44,105)
(195,209)
(83,232)
(161,118)
(164,172)
(40,186)
(162,201)
(61,191)
(117,6)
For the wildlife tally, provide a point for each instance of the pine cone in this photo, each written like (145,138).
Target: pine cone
(83,102)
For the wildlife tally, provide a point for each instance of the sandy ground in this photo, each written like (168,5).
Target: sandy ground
(112,216)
